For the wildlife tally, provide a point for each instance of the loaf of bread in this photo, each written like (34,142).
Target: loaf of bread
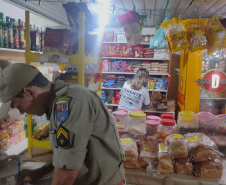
(183,166)
(178,145)
(134,164)
(201,147)
(130,146)
(209,169)
(165,162)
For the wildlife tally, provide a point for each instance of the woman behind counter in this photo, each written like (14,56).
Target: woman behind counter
(134,94)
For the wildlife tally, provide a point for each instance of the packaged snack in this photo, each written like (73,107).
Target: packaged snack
(13,128)
(108,36)
(123,50)
(216,35)
(148,153)
(195,30)
(20,124)
(106,50)
(209,169)
(121,37)
(220,141)
(165,162)
(201,147)
(183,166)
(138,51)
(105,65)
(116,50)
(130,147)
(151,84)
(175,35)
(129,51)
(178,145)
(148,53)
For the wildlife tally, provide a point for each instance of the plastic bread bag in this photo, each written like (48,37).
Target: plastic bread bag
(216,35)
(201,148)
(175,35)
(159,40)
(130,147)
(178,145)
(148,153)
(130,23)
(165,163)
(195,29)
(208,169)
(132,164)
(183,166)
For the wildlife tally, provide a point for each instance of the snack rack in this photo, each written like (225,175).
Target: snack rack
(79,58)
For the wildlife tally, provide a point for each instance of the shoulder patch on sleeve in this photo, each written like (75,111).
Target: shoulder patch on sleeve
(62,108)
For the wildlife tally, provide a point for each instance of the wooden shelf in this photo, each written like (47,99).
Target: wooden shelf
(131,73)
(129,58)
(111,88)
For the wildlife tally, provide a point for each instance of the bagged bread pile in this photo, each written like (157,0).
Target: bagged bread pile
(131,153)
(204,155)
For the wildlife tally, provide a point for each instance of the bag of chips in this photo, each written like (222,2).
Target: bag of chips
(216,35)
(195,30)
(175,35)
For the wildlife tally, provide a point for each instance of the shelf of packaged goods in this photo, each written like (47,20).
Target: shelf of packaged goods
(142,43)
(18,148)
(12,50)
(131,73)
(129,58)
(158,90)
(111,105)
(212,98)
(156,111)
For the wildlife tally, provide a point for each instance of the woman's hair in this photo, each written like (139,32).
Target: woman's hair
(140,79)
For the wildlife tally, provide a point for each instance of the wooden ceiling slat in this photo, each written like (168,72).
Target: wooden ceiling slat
(150,5)
(160,7)
(222,9)
(172,6)
(184,4)
(204,7)
(215,7)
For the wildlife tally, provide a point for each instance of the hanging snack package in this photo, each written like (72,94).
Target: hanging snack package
(130,23)
(159,40)
(195,30)
(175,35)
(216,35)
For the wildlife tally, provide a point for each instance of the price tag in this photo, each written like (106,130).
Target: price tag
(44,58)
(195,138)
(163,147)
(148,148)
(125,140)
(177,136)
(65,60)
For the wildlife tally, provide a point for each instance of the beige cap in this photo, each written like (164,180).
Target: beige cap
(12,81)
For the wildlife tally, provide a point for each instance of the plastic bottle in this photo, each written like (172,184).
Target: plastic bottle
(33,38)
(15,35)
(21,34)
(42,38)
(1,30)
(34,126)
(37,40)
(10,32)
(4,31)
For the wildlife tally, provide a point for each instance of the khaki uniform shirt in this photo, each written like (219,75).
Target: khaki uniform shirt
(93,146)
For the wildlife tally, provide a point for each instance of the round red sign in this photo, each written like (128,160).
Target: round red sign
(214,81)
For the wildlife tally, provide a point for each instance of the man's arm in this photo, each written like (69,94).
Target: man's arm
(62,176)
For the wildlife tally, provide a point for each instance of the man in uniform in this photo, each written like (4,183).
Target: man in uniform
(85,143)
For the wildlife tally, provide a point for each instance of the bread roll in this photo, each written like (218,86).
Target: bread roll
(209,169)
(134,164)
(130,146)
(178,145)
(183,166)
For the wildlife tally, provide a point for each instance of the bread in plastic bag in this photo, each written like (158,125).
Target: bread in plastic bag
(159,40)
(148,153)
(183,166)
(130,147)
(216,35)
(178,145)
(165,162)
(209,169)
(175,35)
(201,148)
(195,29)
(133,164)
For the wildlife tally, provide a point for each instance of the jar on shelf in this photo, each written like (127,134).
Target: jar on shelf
(122,110)
(138,110)
(152,126)
(156,118)
(167,116)
(165,128)
(121,121)
(137,123)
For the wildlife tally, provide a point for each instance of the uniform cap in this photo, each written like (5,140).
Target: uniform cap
(12,81)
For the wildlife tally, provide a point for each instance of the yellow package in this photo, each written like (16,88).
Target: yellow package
(216,35)
(175,35)
(195,29)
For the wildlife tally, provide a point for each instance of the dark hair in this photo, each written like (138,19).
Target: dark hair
(38,81)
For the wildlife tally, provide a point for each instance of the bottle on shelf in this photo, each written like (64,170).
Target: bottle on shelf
(15,35)
(32,37)
(38,40)
(42,33)
(1,30)
(34,126)
(10,32)
(21,34)
(4,31)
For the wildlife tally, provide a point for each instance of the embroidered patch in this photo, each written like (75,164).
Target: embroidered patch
(62,108)
(63,137)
